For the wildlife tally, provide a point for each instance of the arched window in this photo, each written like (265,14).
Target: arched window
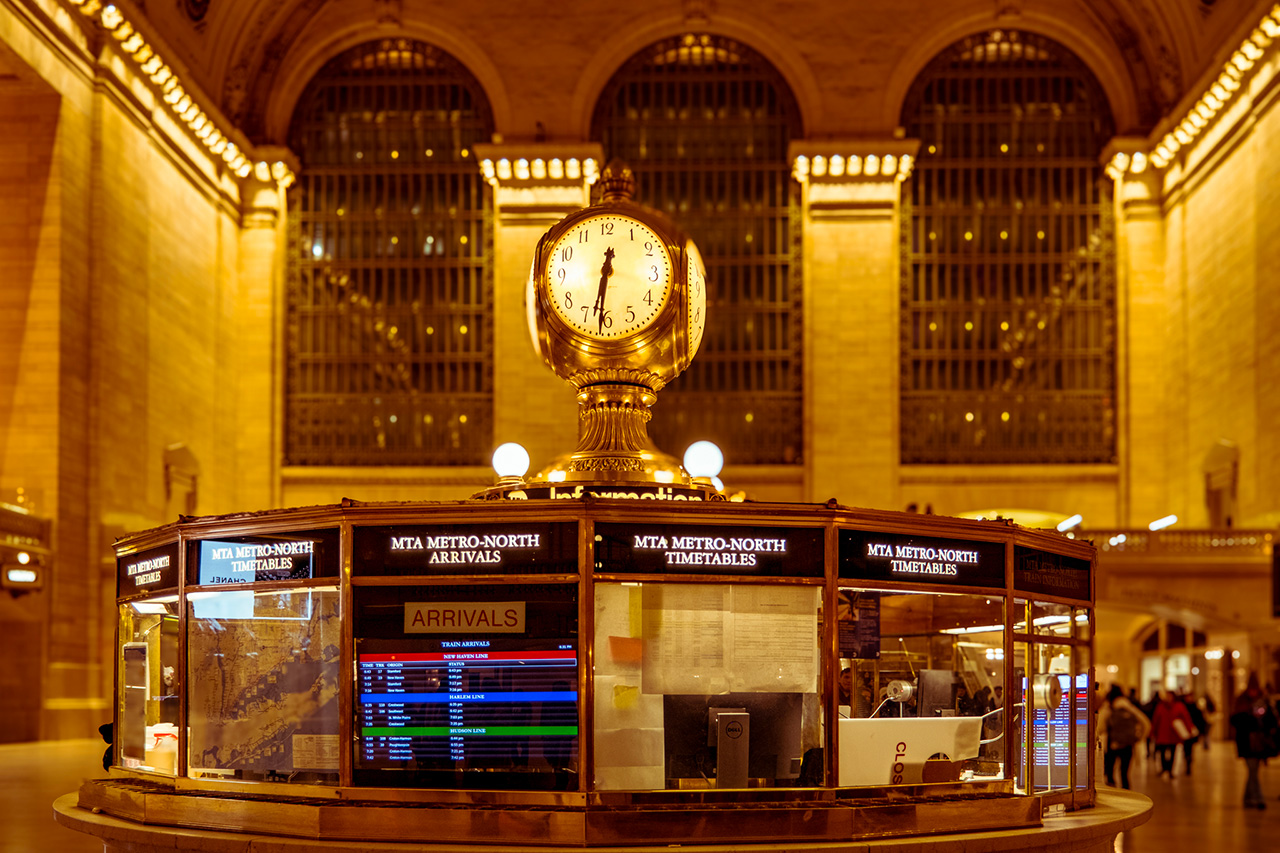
(389,303)
(705,123)
(1008,300)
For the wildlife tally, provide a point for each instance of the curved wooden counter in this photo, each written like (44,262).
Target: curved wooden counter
(1085,831)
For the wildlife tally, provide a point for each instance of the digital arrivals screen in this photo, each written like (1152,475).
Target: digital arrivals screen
(1051,736)
(500,708)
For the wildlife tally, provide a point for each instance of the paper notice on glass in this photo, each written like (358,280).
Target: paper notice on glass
(315,752)
(718,638)
(610,778)
(621,705)
(773,643)
(630,747)
(685,638)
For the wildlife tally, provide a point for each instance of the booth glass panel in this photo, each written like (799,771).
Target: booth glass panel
(262,685)
(931,664)
(1084,628)
(1086,696)
(706,686)
(1051,619)
(146,732)
(1018,615)
(1021,749)
(1058,709)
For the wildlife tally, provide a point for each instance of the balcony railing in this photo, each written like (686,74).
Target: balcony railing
(1224,542)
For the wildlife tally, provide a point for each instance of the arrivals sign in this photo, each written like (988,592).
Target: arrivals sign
(452,617)
(146,571)
(866,555)
(709,549)
(464,549)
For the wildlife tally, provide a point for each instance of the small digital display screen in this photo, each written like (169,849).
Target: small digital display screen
(1051,744)
(499,713)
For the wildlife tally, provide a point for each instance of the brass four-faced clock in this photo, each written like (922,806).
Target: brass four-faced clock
(609,276)
(617,307)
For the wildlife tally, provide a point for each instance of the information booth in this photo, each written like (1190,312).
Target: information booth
(600,672)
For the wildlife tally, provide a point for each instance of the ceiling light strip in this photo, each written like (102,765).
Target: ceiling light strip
(168,87)
(1215,99)
(871,166)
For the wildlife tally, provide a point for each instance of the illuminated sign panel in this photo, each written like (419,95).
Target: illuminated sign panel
(146,571)
(271,557)
(709,549)
(450,617)
(1051,574)
(866,555)
(465,549)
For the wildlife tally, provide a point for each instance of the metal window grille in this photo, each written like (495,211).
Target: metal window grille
(705,122)
(389,299)
(1008,299)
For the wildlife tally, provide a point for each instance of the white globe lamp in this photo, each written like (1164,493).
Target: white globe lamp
(510,462)
(704,461)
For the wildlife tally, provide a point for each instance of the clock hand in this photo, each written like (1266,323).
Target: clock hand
(606,270)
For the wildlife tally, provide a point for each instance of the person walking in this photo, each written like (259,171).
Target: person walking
(1149,708)
(1257,736)
(1199,729)
(1121,725)
(1170,726)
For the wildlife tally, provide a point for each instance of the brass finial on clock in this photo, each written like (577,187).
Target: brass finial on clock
(617,182)
(617,305)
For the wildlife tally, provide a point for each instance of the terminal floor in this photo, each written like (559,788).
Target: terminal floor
(1200,812)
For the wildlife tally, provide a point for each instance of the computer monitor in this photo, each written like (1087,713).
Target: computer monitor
(775,749)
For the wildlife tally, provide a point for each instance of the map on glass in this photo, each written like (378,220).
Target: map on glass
(263,678)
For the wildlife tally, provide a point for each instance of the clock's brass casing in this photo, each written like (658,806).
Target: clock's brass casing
(617,378)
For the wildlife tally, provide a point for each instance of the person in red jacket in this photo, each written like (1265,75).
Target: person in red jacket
(1170,725)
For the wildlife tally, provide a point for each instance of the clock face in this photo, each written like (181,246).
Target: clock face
(697,297)
(609,277)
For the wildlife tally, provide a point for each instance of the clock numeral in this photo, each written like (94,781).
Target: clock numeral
(606,321)
(648,248)
(697,315)
(654,276)
(606,228)
(568,299)
(631,315)
(584,236)
(648,297)
(560,274)
(566,254)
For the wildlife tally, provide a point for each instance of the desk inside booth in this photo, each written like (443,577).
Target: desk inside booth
(894,751)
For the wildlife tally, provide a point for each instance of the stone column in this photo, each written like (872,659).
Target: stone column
(1145,325)
(852,286)
(259,362)
(534,186)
